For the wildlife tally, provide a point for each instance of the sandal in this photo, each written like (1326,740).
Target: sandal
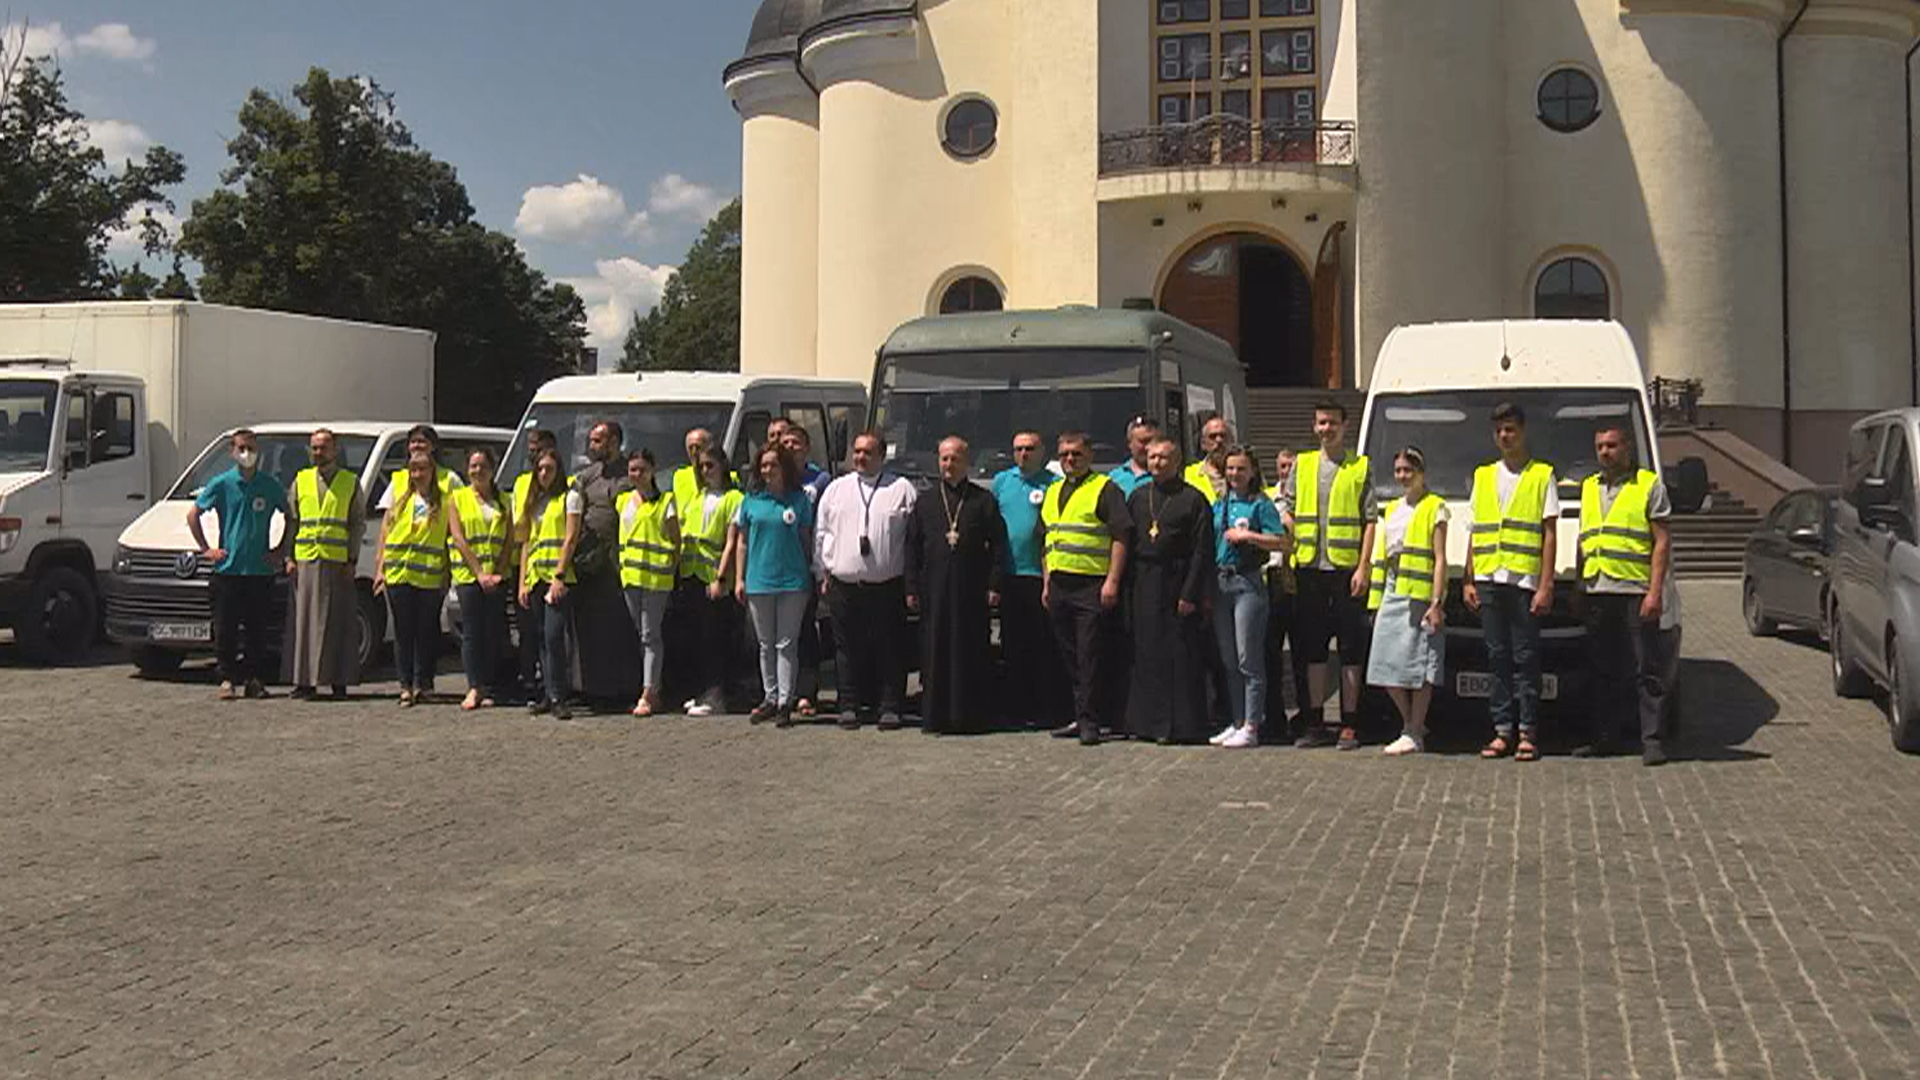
(1498,748)
(1528,751)
(643,708)
(471,701)
(804,708)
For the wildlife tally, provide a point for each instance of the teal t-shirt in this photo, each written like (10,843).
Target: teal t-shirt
(1129,480)
(1020,498)
(246,510)
(1256,512)
(777,561)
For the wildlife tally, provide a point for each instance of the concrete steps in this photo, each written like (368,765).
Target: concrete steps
(1283,417)
(1713,543)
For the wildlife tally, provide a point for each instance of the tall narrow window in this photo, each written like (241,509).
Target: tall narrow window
(1572,288)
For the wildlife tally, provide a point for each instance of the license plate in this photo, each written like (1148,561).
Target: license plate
(180,631)
(1479,684)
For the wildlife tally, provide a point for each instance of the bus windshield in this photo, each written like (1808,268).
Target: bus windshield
(987,397)
(657,426)
(282,456)
(1453,430)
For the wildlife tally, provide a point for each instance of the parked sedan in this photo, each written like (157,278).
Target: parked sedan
(1785,573)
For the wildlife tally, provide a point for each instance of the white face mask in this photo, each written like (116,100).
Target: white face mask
(247,458)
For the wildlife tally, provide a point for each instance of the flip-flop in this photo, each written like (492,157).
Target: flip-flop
(805,708)
(1498,748)
(1527,751)
(642,709)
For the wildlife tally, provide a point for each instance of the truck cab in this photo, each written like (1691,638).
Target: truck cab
(158,597)
(74,460)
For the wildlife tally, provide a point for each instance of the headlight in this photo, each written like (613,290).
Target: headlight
(122,560)
(9,533)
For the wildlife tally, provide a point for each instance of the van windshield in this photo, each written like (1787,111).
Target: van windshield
(282,456)
(26,412)
(986,397)
(660,427)
(1454,431)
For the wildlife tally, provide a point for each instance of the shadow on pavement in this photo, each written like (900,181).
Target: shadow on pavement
(1720,708)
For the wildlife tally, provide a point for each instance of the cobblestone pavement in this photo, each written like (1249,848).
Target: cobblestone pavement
(253,890)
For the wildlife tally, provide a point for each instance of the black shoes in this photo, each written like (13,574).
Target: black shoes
(889,722)
(1317,737)
(1652,755)
(539,707)
(1089,736)
(561,711)
(784,717)
(302,693)
(1065,731)
(763,712)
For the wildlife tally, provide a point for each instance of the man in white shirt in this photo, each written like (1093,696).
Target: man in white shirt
(860,549)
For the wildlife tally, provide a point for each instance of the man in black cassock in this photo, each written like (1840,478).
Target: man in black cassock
(1168,583)
(956,549)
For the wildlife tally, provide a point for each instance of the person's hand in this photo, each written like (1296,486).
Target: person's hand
(1436,617)
(1652,607)
(1185,608)
(1046,592)
(1471,595)
(1237,535)
(556,591)
(1359,585)
(1542,599)
(824,583)
(1109,595)
(214,555)
(526,598)
(715,590)
(379,582)
(740,592)
(913,603)
(489,582)
(993,599)
(291,566)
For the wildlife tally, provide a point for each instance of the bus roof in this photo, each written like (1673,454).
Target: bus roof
(1055,328)
(1511,353)
(672,386)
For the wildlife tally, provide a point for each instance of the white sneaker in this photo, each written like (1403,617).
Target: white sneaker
(1225,734)
(699,708)
(1402,746)
(1243,738)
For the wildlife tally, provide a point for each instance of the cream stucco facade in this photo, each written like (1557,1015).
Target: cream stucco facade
(1423,185)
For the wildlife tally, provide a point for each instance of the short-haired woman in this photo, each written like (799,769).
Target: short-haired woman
(772,536)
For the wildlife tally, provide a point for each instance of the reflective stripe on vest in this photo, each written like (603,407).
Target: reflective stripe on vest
(1412,571)
(324,517)
(1620,543)
(646,559)
(703,536)
(1196,475)
(1515,539)
(1345,527)
(486,534)
(416,544)
(1077,541)
(547,540)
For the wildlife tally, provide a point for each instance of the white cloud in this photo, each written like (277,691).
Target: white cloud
(33,42)
(124,245)
(118,140)
(619,289)
(115,41)
(581,209)
(674,195)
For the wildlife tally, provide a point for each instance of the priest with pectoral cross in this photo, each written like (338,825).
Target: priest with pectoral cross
(956,552)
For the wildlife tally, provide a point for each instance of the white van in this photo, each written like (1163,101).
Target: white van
(1435,387)
(158,599)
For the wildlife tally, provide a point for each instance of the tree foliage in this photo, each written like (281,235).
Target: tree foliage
(60,202)
(696,325)
(329,208)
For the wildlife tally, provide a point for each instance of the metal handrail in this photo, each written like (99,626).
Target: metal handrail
(1675,401)
(1225,141)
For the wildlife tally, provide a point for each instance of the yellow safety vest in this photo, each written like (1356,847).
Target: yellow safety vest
(1619,544)
(547,540)
(416,543)
(646,559)
(1413,575)
(324,516)
(1077,540)
(1513,540)
(485,524)
(703,536)
(1196,475)
(686,486)
(1345,527)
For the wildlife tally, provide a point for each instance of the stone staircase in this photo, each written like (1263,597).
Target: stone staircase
(1278,417)
(1711,543)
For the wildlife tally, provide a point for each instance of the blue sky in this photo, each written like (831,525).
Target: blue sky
(524,101)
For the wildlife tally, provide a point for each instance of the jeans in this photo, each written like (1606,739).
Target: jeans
(416,633)
(483,633)
(1633,668)
(776,626)
(241,600)
(1240,627)
(870,641)
(648,607)
(551,618)
(1513,651)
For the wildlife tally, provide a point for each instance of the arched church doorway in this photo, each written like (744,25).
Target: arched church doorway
(1252,291)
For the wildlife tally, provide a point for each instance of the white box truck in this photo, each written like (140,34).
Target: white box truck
(99,402)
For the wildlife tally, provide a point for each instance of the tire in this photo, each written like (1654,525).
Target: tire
(1903,712)
(60,619)
(1757,622)
(370,629)
(157,663)
(1848,680)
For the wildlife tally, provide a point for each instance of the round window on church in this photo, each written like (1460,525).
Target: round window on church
(970,127)
(1569,100)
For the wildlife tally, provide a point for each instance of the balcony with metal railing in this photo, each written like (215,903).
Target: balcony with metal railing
(1224,153)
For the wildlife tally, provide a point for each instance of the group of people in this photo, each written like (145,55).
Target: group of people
(1151,601)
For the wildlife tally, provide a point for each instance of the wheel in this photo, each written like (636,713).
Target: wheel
(1757,622)
(62,612)
(1848,680)
(155,663)
(370,628)
(1903,713)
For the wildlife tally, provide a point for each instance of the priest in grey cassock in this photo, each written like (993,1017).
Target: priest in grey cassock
(956,552)
(1170,579)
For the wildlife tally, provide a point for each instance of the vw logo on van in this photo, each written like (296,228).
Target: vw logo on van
(186,564)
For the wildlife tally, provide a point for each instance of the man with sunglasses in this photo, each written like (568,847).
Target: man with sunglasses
(1032,687)
(1086,527)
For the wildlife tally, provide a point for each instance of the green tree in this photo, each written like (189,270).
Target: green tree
(329,208)
(59,200)
(696,325)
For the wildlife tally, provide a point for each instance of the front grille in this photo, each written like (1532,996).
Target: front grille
(136,601)
(160,564)
(1560,618)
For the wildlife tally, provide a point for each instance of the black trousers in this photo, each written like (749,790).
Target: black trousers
(1033,693)
(1080,633)
(1283,644)
(870,639)
(1633,665)
(527,623)
(416,633)
(241,607)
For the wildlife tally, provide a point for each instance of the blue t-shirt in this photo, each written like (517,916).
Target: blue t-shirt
(814,481)
(246,518)
(1020,500)
(1256,512)
(777,561)
(1129,480)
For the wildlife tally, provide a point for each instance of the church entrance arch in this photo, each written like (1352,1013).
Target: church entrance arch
(1253,291)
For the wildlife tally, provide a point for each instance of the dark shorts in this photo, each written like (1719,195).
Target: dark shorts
(1326,609)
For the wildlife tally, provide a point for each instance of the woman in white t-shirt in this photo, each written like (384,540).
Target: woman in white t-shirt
(1408,647)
